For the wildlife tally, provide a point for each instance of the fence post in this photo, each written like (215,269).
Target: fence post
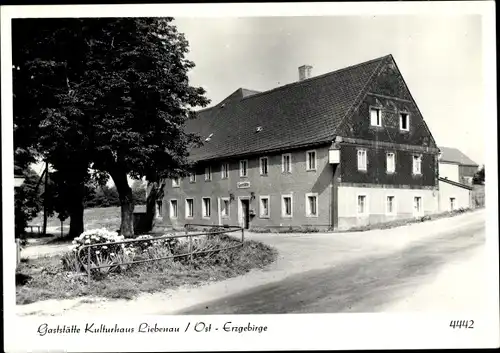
(190,249)
(88,266)
(242,235)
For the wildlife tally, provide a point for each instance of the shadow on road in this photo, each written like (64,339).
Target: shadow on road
(358,286)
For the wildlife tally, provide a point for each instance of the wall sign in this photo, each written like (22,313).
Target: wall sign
(243,184)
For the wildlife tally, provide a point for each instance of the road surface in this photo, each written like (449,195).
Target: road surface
(419,267)
(373,283)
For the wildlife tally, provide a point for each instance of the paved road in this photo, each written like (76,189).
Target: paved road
(369,283)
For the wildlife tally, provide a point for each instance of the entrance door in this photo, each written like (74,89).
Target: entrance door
(245,211)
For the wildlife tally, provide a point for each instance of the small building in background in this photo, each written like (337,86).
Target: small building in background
(456,166)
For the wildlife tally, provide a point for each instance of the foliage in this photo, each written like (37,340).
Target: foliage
(102,255)
(27,201)
(51,282)
(478,178)
(111,94)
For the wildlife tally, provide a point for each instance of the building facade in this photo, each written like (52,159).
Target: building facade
(343,149)
(456,166)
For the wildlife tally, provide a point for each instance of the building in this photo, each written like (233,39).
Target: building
(342,149)
(456,166)
(454,195)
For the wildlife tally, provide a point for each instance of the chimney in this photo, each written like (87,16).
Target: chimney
(305,72)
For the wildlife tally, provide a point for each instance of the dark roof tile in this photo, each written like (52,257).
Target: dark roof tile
(454,155)
(300,113)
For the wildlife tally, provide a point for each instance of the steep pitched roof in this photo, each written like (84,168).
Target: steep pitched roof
(298,114)
(454,155)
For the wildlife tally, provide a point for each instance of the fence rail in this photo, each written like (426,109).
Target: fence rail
(217,230)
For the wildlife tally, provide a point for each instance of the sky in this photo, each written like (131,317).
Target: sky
(440,59)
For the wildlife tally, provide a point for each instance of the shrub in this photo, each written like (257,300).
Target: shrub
(99,255)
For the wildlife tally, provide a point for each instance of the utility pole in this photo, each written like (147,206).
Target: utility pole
(45,198)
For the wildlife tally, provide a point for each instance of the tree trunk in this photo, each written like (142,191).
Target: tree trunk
(45,198)
(76,209)
(76,220)
(151,199)
(126,203)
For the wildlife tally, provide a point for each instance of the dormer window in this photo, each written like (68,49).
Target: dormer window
(375,117)
(404,121)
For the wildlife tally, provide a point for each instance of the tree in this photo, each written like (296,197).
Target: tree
(479,177)
(114,92)
(27,201)
(48,123)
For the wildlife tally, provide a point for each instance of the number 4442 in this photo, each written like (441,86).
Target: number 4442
(462,323)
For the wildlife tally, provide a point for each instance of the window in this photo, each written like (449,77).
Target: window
(417,206)
(176,182)
(404,121)
(452,203)
(225,207)
(263,166)
(192,177)
(173,209)
(362,206)
(286,206)
(189,208)
(264,206)
(375,117)
(206,207)
(391,162)
(208,173)
(311,160)
(390,205)
(311,205)
(417,164)
(286,163)
(361,159)
(225,171)
(243,168)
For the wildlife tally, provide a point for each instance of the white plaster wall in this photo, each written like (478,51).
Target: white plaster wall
(446,191)
(347,200)
(449,170)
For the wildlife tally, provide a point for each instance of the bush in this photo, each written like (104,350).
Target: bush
(99,255)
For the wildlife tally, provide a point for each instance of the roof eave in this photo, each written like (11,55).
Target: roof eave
(265,151)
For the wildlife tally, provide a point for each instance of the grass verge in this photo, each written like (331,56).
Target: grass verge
(44,278)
